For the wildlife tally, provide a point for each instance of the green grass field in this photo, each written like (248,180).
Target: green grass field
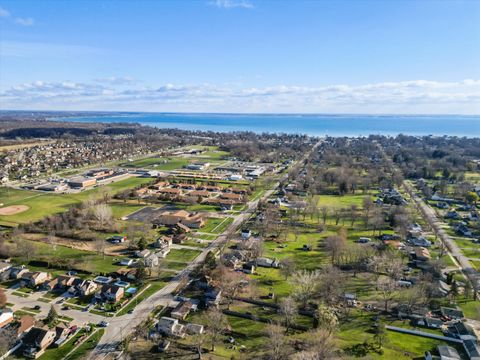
(216,225)
(183,255)
(335,202)
(43,204)
(80,259)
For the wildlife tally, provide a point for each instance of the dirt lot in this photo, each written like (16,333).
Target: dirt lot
(13,209)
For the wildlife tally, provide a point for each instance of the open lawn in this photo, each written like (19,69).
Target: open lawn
(79,259)
(184,255)
(333,201)
(88,345)
(216,225)
(358,329)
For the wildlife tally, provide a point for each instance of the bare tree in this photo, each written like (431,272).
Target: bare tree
(103,214)
(387,287)
(100,247)
(335,245)
(287,267)
(324,211)
(319,346)
(304,285)
(276,345)
(288,310)
(198,340)
(326,318)
(216,323)
(229,282)
(330,285)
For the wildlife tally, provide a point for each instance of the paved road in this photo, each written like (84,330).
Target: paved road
(124,325)
(436,224)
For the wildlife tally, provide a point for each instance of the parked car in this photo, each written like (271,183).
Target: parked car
(103,323)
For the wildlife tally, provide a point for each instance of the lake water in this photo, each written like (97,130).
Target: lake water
(333,125)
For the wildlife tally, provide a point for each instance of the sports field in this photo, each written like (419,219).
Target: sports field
(41,204)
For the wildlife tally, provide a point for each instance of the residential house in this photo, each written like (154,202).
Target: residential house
(422,254)
(182,310)
(248,268)
(33,279)
(419,241)
(442,205)
(86,288)
(170,327)
(23,325)
(268,263)
(36,341)
(472,349)
(448,353)
(60,283)
(61,335)
(231,196)
(451,314)
(194,328)
(170,191)
(452,215)
(6,317)
(151,260)
(142,254)
(126,274)
(462,331)
(181,216)
(4,266)
(18,271)
(213,296)
(163,242)
(126,262)
(463,230)
(430,322)
(112,293)
(194,221)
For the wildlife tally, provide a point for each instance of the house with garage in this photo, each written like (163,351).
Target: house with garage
(36,341)
(170,327)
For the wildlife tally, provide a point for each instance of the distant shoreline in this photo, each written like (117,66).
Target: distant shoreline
(314,125)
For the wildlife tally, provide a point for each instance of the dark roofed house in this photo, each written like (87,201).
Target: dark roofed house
(432,323)
(448,353)
(182,310)
(472,350)
(36,341)
(451,314)
(462,331)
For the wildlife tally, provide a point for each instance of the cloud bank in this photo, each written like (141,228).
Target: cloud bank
(230,4)
(128,94)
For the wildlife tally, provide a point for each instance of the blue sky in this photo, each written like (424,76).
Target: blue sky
(392,56)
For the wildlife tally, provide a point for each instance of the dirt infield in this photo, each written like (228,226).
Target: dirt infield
(13,209)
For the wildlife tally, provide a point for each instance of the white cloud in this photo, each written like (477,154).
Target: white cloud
(28,21)
(230,4)
(123,93)
(117,80)
(24,21)
(4,12)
